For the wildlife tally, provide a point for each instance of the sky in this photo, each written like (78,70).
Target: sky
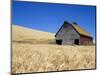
(49,17)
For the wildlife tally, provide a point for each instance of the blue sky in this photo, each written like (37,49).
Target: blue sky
(50,17)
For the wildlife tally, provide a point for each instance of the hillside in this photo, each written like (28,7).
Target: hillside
(26,35)
(35,51)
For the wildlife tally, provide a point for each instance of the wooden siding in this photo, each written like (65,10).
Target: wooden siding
(67,34)
(84,40)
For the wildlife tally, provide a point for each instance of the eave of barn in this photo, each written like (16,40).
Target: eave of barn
(80,30)
(65,22)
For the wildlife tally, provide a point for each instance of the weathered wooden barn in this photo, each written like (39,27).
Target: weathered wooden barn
(72,34)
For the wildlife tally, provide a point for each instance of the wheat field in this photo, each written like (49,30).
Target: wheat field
(36,51)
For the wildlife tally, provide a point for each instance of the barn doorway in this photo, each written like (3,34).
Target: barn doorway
(59,42)
(76,41)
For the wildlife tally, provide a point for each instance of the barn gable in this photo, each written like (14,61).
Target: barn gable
(67,33)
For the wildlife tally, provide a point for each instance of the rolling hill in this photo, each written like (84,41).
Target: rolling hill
(26,35)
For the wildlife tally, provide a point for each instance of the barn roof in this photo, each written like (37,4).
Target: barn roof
(77,28)
(80,30)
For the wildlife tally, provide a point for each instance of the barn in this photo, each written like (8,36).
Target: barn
(72,34)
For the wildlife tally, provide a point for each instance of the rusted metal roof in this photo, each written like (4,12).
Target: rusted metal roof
(81,30)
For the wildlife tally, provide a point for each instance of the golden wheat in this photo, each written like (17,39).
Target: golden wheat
(39,58)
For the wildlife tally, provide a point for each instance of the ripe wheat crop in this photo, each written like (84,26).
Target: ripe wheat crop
(40,58)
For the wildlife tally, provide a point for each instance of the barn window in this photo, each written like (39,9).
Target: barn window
(76,41)
(59,42)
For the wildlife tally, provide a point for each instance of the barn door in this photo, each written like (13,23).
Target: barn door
(76,41)
(59,42)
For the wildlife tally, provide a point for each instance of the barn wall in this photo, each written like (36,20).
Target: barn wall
(68,35)
(84,40)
